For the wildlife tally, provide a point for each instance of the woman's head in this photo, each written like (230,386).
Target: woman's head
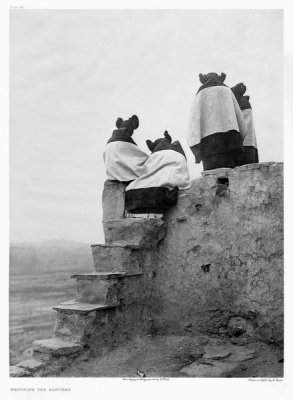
(152,145)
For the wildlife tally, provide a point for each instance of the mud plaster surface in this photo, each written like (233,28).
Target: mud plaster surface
(222,256)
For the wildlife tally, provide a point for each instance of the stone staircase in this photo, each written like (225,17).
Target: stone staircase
(110,304)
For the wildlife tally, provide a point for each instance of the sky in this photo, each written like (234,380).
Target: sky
(73,72)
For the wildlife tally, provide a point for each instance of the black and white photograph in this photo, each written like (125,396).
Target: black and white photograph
(146,193)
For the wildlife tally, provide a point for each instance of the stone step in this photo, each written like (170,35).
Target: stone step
(18,372)
(81,307)
(76,326)
(108,288)
(31,365)
(97,291)
(139,232)
(116,257)
(104,275)
(46,349)
(99,288)
(119,244)
(134,244)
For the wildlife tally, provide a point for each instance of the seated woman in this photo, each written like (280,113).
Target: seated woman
(166,172)
(216,125)
(124,161)
(250,152)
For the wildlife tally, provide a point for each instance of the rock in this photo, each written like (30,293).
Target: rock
(31,365)
(189,351)
(219,360)
(240,354)
(237,326)
(216,352)
(226,351)
(56,346)
(43,357)
(268,331)
(18,372)
(210,370)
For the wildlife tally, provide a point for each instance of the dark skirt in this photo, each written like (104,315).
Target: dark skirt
(220,150)
(222,160)
(150,200)
(249,156)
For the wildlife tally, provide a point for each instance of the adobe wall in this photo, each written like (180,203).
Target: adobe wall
(223,255)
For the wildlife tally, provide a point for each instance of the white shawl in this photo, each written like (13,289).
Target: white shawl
(214,109)
(165,168)
(124,161)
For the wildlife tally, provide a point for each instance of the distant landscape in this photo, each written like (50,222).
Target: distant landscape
(39,279)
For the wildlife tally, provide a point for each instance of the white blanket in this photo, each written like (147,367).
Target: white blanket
(249,138)
(124,161)
(165,168)
(214,109)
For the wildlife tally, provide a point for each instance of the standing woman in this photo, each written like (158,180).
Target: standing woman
(250,152)
(216,126)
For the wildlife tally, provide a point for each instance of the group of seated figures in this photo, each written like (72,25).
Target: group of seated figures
(220,134)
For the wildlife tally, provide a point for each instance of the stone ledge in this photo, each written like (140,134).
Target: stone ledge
(219,359)
(127,244)
(18,372)
(104,275)
(226,171)
(258,165)
(217,171)
(83,308)
(56,346)
(120,244)
(31,365)
(140,221)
